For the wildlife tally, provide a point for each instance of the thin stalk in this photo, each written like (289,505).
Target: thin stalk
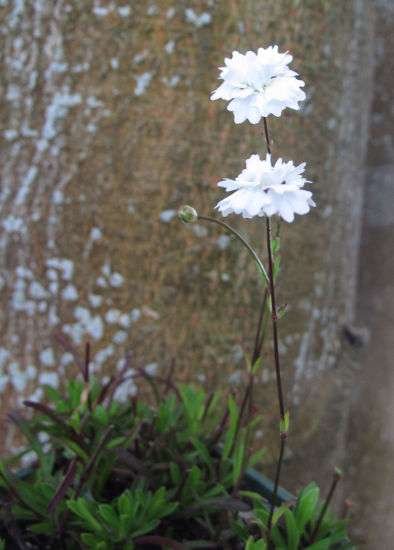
(267,136)
(274,318)
(243,241)
(335,479)
(247,397)
(260,330)
(276,484)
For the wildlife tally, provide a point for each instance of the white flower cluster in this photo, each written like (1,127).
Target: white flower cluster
(262,189)
(258,85)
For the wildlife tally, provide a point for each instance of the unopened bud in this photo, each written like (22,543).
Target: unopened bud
(337,474)
(187,214)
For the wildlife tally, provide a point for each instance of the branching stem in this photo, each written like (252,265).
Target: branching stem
(243,241)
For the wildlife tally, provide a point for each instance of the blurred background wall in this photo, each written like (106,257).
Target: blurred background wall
(107,127)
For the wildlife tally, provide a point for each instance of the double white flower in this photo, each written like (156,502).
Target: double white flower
(262,189)
(258,85)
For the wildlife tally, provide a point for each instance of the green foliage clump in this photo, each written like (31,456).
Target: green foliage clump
(164,474)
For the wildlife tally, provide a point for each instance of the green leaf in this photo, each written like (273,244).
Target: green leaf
(275,245)
(115,442)
(280,511)
(108,514)
(256,457)
(77,449)
(175,473)
(232,428)
(37,495)
(276,267)
(258,544)
(42,527)
(263,273)
(305,506)
(258,363)
(218,489)
(124,503)
(278,539)
(204,453)
(320,545)
(252,495)
(80,508)
(293,534)
(148,527)
(281,310)
(34,442)
(100,413)
(239,453)
(61,404)
(91,540)
(284,423)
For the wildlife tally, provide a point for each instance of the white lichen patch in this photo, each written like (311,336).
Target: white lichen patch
(104,354)
(235,377)
(223,241)
(49,379)
(124,11)
(47,357)
(142,82)
(93,102)
(170,13)
(116,280)
(23,272)
(152,368)
(120,337)
(135,315)
(101,10)
(37,291)
(172,81)
(31,372)
(95,234)
(69,293)
(204,18)
(114,62)
(95,300)
(14,224)
(167,215)
(170,46)
(26,182)
(126,390)
(58,108)
(87,324)
(64,265)
(17,377)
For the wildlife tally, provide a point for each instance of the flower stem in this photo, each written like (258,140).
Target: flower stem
(276,484)
(335,479)
(260,329)
(274,318)
(243,241)
(267,136)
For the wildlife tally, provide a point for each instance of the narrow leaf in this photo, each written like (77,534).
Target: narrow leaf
(63,487)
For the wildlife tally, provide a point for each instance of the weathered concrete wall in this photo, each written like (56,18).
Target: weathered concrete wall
(370,464)
(108,127)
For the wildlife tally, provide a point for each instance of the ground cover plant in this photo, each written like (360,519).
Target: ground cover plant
(170,467)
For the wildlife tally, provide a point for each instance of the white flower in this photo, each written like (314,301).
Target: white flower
(259,85)
(262,189)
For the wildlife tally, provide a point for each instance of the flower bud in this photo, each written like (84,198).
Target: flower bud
(187,214)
